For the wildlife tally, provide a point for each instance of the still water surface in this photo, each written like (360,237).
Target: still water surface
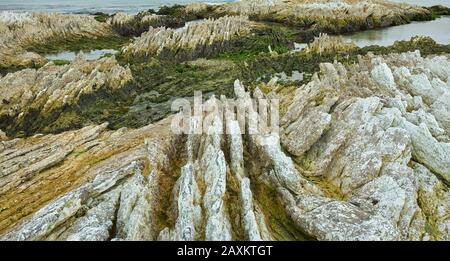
(438,30)
(90,55)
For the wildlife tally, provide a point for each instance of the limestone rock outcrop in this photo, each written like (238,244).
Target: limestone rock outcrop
(128,24)
(328,16)
(48,89)
(362,154)
(200,39)
(376,119)
(19,31)
(100,179)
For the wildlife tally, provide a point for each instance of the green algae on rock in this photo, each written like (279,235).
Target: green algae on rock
(200,39)
(377,110)
(76,44)
(308,60)
(47,32)
(333,17)
(41,95)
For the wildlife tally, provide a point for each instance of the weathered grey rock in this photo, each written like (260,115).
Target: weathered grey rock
(327,16)
(335,220)
(249,219)
(188,207)
(213,169)
(134,214)
(52,87)
(427,150)
(189,42)
(373,167)
(433,197)
(19,31)
(97,223)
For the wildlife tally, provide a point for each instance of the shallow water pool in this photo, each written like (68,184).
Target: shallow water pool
(437,29)
(89,55)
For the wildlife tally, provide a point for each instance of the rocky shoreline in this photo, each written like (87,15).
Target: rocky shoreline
(87,151)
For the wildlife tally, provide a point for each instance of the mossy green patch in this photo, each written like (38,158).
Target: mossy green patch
(101,17)
(264,65)
(280,225)
(180,11)
(233,207)
(163,211)
(439,10)
(425,45)
(80,44)
(173,10)
(61,62)
(147,98)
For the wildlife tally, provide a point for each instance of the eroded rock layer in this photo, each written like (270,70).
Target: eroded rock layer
(127,24)
(376,131)
(199,39)
(19,31)
(336,16)
(30,94)
(362,154)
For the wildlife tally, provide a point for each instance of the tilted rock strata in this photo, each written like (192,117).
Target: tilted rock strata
(10,58)
(328,44)
(335,16)
(31,28)
(195,40)
(377,118)
(362,155)
(51,87)
(99,179)
(174,16)
(19,31)
(127,24)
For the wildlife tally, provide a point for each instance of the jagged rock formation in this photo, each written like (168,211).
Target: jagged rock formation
(127,24)
(328,44)
(10,58)
(362,154)
(377,128)
(335,16)
(31,92)
(102,179)
(19,31)
(195,40)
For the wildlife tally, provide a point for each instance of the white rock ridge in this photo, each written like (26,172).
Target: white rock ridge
(194,38)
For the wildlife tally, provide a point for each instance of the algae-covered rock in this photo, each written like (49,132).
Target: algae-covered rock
(20,31)
(374,168)
(134,25)
(196,40)
(362,151)
(36,93)
(337,16)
